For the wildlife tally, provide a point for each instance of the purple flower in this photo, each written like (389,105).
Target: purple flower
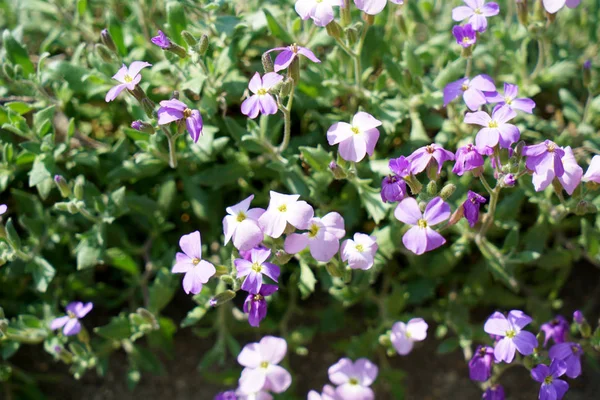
(510,99)
(128,78)
(161,40)
(245,254)
(552,6)
(470,157)
(495,392)
(509,180)
(284,209)
(328,393)
(480,366)
(465,35)
(552,388)
(323,237)
(356,139)
(353,378)
(359,252)
(320,11)
(495,129)
(477,12)
(400,166)
(573,172)
(471,207)
(175,110)
(404,336)
(593,172)
(421,238)
(578,317)
(255,268)
(548,161)
(393,189)
(571,354)
(587,64)
(3,209)
(262,371)
(137,125)
(256,305)
(228,395)
(471,90)
(556,330)
(431,155)
(513,337)
(373,7)
(289,53)
(261,101)
(253,395)
(70,322)
(197,271)
(241,225)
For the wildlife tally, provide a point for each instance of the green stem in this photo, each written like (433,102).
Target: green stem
(486,184)
(171,140)
(489,217)
(588,103)
(287,121)
(469,67)
(357,59)
(540,61)
(347,49)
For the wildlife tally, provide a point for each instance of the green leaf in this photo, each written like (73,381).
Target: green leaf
(413,63)
(89,252)
(12,235)
(317,158)
(19,107)
(118,328)
(115,28)
(41,170)
(42,272)
(119,259)
(307,280)
(371,200)
(176,16)
(193,316)
(162,290)
(276,29)
(16,53)
(42,117)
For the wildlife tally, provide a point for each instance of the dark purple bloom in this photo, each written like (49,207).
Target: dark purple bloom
(161,40)
(255,268)
(465,35)
(393,189)
(228,395)
(433,153)
(256,305)
(510,99)
(556,330)
(480,366)
(571,354)
(175,110)
(137,125)
(289,53)
(470,157)
(70,322)
(552,387)
(509,180)
(471,207)
(587,64)
(578,317)
(400,166)
(472,91)
(495,392)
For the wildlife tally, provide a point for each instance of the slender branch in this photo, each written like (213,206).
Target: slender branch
(540,61)
(287,121)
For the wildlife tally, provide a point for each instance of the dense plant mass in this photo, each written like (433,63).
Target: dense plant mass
(356,178)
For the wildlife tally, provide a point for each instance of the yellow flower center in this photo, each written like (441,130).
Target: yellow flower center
(508,100)
(464,87)
(313,231)
(548,380)
(241,216)
(478,11)
(128,79)
(465,39)
(258,297)
(187,113)
(294,48)
(71,314)
(355,130)
(264,364)
(511,334)
(256,267)
(261,92)
(422,223)
(551,147)
(492,124)
(408,335)
(574,349)
(282,208)
(353,381)
(360,248)
(429,149)
(196,261)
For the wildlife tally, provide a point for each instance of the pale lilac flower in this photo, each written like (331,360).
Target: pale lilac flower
(261,101)
(175,110)
(593,172)
(513,337)
(254,269)
(284,209)
(323,237)
(255,304)
(404,336)
(433,154)
(510,99)
(552,6)
(472,91)
(573,172)
(241,225)
(328,393)
(353,378)
(496,129)
(197,271)
(289,53)
(161,40)
(465,35)
(556,330)
(552,387)
(253,395)
(471,207)
(495,392)
(373,7)
(421,238)
(480,366)
(320,11)
(3,209)
(128,78)
(571,354)
(549,161)
(246,254)
(70,322)
(356,139)
(477,12)
(359,252)
(262,371)
(470,157)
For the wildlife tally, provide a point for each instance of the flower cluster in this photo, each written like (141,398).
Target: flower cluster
(352,381)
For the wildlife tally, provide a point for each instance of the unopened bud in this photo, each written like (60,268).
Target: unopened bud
(72,208)
(228,280)
(3,326)
(189,38)
(63,186)
(177,50)
(334,30)
(585,329)
(142,126)
(587,73)
(432,188)
(518,153)
(62,206)
(282,257)
(509,180)
(294,70)
(334,269)
(148,106)
(402,24)
(222,298)
(337,171)
(432,170)
(578,317)
(267,63)
(456,215)
(107,40)
(78,188)
(522,12)
(286,87)
(447,191)
(385,340)
(352,34)
(414,184)
(104,53)
(202,46)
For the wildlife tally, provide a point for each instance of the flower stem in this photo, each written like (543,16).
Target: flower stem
(171,140)
(588,103)
(540,61)
(486,184)
(489,217)
(287,121)
(469,67)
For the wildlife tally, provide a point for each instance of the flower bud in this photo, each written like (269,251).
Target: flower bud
(447,191)
(509,180)
(352,34)
(267,63)
(72,208)
(282,257)
(142,126)
(456,215)
(334,269)
(522,12)
(62,206)
(148,106)
(63,186)
(432,188)
(402,24)
(177,50)
(414,184)
(222,298)
(103,52)
(202,46)
(3,326)
(189,38)
(294,70)
(334,30)
(587,73)
(286,87)
(78,189)
(385,340)
(107,40)
(228,280)
(337,171)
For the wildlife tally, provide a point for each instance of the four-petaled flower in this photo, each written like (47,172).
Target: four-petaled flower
(197,271)
(323,237)
(477,12)
(472,91)
(509,98)
(513,337)
(255,268)
(496,129)
(433,154)
(552,6)
(470,157)
(128,78)
(241,225)
(328,393)
(359,252)
(255,304)
(284,209)
(289,53)
(175,110)
(570,353)
(404,335)
(320,11)
(471,207)
(552,388)
(353,378)
(70,322)
(556,330)
(356,139)
(262,371)
(261,101)
(421,237)
(466,36)
(373,7)
(480,366)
